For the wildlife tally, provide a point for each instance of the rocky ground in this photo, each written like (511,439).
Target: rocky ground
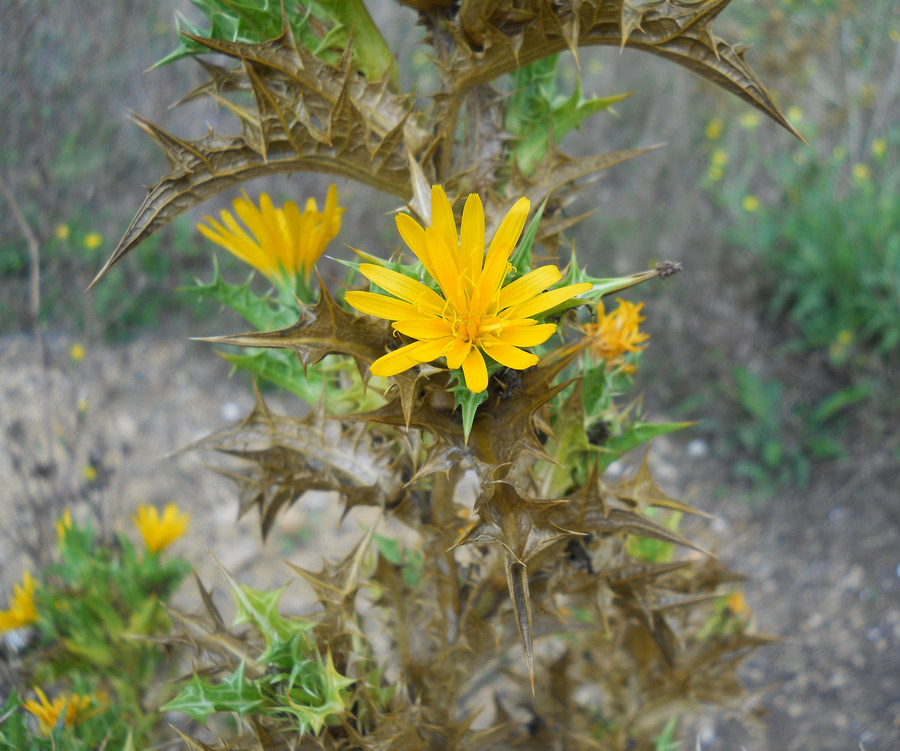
(823,565)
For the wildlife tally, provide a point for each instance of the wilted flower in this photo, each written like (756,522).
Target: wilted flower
(616,333)
(48,713)
(281,241)
(160,532)
(21,611)
(476,314)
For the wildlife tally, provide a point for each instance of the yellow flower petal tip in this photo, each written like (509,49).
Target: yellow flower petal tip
(615,334)
(21,611)
(161,531)
(278,242)
(474,314)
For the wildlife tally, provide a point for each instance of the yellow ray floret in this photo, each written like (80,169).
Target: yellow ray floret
(160,532)
(21,611)
(475,315)
(280,241)
(614,334)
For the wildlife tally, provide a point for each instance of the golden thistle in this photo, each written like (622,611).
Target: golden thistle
(475,313)
(614,334)
(281,241)
(160,532)
(21,611)
(48,713)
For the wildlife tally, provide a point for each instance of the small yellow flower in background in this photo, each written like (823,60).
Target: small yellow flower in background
(861,173)
(63,525)
(845,336)
(61,232)
(738,605)
(719,158)
(281,240)
(93,240)
(894,35)
(714,128)
(614,334)
(89,472)
(77,352)
(749,120)
(879,147)
(48,713)
(750,203)
(160,532)
(476,313)
(795,114)
(81,406)
(21,611)
(715,173)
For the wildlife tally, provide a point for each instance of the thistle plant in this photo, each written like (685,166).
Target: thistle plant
(469,392)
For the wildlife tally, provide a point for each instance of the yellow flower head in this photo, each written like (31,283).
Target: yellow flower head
(61,232)
(93,240)
(861,173)
(281,241)
(48,713)
(714,128)
(616,333)
(159,533)
(21,611)
(77,352)
(750,203)
(474,313)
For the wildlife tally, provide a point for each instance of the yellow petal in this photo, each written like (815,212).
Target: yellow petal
(510,228)
(431,349)
(412,291)
(446,273)
(393,362)
(423,328)
(414,236)
(443,221)
(526,336)
(475,371)
(381,306)
(529,285)
(548,300)
(511,357)
(471,239)
(458,353)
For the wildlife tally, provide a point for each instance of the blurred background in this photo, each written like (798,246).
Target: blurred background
(781,338)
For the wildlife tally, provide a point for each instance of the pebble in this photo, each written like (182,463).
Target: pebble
(837,515)
(854,579)
(698,449)
(230,411)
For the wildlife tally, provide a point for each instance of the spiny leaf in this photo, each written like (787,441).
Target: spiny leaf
(199,698)
(500,39)
(310,116)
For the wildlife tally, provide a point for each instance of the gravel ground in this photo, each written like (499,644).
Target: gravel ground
(823,565)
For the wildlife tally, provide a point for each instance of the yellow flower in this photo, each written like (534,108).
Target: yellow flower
(737,604)
(48,713)
(614,334)
(159,533)
(715,173)
(89,472)
(93,240)
(714,128)
(795,114)
(280,241)
(749,120)
(719,158)
(476,314)
(861,173)
(21,611)
(63,525)
(750,203)
(77,352)
(879,147)
(61,232)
